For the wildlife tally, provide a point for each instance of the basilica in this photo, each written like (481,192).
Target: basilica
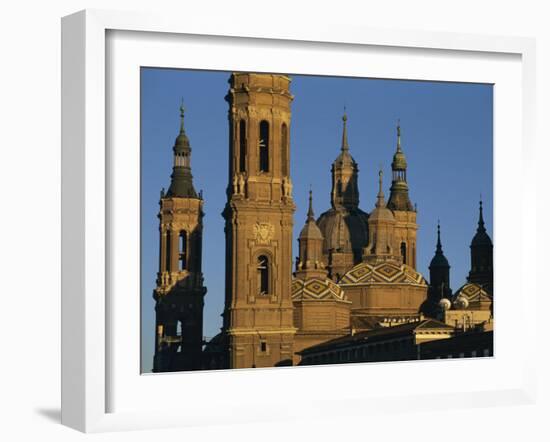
(352,294)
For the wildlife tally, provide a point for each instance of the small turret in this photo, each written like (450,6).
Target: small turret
(381,230)
(309,263)
(439,272)
(399,191)
(481,251)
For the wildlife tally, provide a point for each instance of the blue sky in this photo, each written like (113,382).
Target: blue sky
(447,137)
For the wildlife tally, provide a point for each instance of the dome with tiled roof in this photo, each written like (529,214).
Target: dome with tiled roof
(316,289)
(473,293)
(385,272)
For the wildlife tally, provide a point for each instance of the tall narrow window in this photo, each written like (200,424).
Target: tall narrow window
(183,250)
(284,149)
(263,275)
(404,252)
(242,146)
(264,146)
(168,251)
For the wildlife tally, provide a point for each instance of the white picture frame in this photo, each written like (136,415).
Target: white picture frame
(89,373)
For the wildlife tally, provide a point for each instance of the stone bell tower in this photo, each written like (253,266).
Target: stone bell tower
(257,319)
(180,291)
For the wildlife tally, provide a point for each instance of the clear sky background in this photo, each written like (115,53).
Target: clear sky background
(446,133)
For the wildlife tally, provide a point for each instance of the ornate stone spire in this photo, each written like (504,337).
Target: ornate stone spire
(439,259)
(399,192)
(345,192)
(310,214)
(182,180)
(345,145)
(481,237)
(481,250)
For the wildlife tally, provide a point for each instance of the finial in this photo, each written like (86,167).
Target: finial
(380,197)
(399,135)
(481,222)
(182,113)
(345,145)
(438,247)
(310,214)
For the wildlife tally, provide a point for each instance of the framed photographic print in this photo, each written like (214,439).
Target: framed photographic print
(294,218)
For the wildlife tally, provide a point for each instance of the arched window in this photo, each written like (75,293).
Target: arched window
(284,149)
(404,252)
(263,275)
(183,250)
(242,146)
(264,146)
(168,251)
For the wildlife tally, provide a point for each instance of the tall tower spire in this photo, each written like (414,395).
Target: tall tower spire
(345,192)
(180,291)
(182,181)
(344,225)
(399,192)
(310,242)
(481,251)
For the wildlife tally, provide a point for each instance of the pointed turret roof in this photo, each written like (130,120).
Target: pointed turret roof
(399,191)
(380,212)
(182,181)
(439,259)
(310,229)
(399,161)
(344,159)
(481,238)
